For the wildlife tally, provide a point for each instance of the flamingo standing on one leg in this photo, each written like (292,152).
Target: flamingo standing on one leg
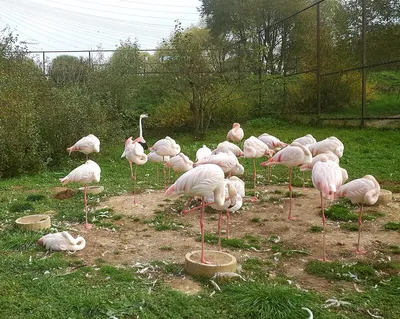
(86,145)
(201,181)
(140,139)
(305,140)
(291,156)
(254,148)
(327,177)
(362,191)
(155,158)
(134,153)
(84,174)
(274,144)
(166,147)
(179,163)
(236,134)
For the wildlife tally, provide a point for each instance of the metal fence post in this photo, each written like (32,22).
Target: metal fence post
(44,63)
(364,61)
(318,71)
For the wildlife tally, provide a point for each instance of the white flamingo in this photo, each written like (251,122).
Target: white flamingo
(86,145)
(274,144)
(179,163)
(362,191)
(140,139)
(291,156)
(236,134)
(62,241)
(201,181)
(134,153)
(84,174)
(327,177)
(305,140)
(332,144)
(155,158)
(230,146)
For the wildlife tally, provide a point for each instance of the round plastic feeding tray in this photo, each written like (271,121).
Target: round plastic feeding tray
(34,222)
(92,189)
(219,262)
(385,196)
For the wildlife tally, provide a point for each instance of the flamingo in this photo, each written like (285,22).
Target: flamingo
(62,241)
(236,134)
(201,181)
(291,156)
(86,145)
(166,147)
(273,143)
(134,153)
(254,148)
(84,174)
(306,140)
(327,177)
(332,144)
(140,139)
(234,194)
(309,166)
(226,160)
(230,146)
(203,153)
(362,191)
(179,163)
(155,158)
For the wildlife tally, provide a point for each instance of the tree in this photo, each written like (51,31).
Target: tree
(68,70)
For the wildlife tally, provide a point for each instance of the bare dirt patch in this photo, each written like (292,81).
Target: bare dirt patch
(137,241)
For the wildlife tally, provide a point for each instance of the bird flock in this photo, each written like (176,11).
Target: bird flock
(213,177)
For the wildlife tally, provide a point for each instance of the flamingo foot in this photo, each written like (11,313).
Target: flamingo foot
(325,260)
(361,251)
(204,261)
(292,218)
(88,226)
(254,199)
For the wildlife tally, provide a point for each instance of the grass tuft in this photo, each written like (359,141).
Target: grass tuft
(392,226)
(316,229)
(21,207)
(35,197)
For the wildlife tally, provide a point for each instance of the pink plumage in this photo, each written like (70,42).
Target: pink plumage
(362,191)
(236,134)
(330,144)
(273,142)
(180,163)
(86,145)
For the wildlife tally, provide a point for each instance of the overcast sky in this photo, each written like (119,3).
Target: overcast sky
(85,24)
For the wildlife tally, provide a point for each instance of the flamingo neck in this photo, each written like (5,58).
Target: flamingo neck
(140,127)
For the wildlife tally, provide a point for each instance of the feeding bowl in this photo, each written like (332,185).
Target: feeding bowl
(385,196)
(220,262)
(92,189)
(33,222)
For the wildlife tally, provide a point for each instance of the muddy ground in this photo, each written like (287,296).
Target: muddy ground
(135,239)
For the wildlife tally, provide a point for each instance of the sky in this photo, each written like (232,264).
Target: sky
(47,25)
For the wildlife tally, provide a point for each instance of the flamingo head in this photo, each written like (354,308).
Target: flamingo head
(142,116)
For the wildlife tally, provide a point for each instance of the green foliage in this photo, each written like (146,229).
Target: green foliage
(392,226)
(67,70)
(21,207)
(316,229)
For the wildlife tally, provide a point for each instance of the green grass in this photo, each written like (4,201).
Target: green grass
(316,229)
(392,226)
(59,286)
(341,212)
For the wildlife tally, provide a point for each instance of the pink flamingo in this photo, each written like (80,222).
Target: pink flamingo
(134,153)
(274,144)
(254,148)
(226,160)
(327,177)
(362,191)
(201,181)
(309,166)
(203,153)
(84,174)
(179,163)
(86,145)
(230,146)
(140,139)
(291,156)
(236,134)
(306,140)
(332,144)
(166,147)
(234,194)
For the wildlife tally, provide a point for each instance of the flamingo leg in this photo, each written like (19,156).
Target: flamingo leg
(358,251)
(134,186)
(324,228)
(304,185)
(202,259)
(165,187)
(254,181)
(87,157)
(269,173)
(228,217)
(87,225)
(184,211)
(290,217)
(219,229)
(157,171)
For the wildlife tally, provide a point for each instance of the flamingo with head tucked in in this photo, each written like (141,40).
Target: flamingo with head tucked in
(84,174)
(134,153)
(236,134)
(254,148)
(62,241)
(274,144)
(362,191)
(86,145)
(327,177)
(291,156)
